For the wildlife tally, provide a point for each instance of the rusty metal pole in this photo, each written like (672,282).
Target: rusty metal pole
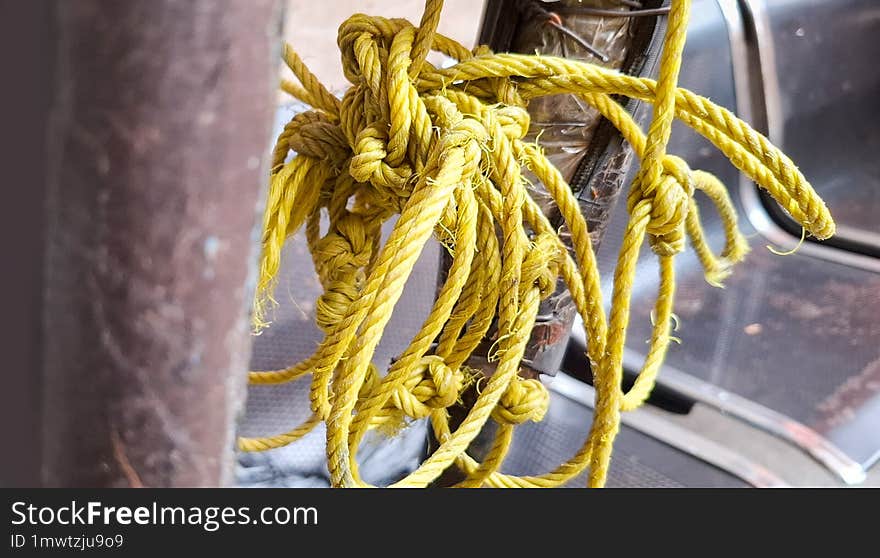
(158,151)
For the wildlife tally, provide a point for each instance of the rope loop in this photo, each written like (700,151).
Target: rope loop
(540,266)
(346,248)
(429,385)
(369,165)
(669,195)
(314,134)
(524,400)
(445,150)
(514,120)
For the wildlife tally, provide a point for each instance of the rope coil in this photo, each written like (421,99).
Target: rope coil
(444,149)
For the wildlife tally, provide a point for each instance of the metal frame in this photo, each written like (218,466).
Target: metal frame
(785,428)
(676,436)
(759,100)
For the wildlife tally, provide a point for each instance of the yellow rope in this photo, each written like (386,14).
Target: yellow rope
(444,149)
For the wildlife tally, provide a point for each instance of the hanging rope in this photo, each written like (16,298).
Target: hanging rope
(444,149)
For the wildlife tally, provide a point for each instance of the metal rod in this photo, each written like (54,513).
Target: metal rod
(556,23)
(163,115)
(615,13)
(598,186)
(676,436)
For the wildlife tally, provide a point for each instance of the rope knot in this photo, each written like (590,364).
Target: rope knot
(431,384)
(313,134)
(523,400)
(540,266)
(514,120)
(668,188)
(368,162)
(332,306)
(343,253)
(465,132)
(345,249)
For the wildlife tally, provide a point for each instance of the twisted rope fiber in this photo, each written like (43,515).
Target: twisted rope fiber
(444,149)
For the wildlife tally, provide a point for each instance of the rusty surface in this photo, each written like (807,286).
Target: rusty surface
(161,122)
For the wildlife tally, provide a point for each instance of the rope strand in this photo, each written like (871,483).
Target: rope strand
(444,149)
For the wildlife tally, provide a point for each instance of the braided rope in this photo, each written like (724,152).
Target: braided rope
(444,149)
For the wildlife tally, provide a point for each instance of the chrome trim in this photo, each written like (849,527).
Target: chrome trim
(766,80)
(768,77)
(739,54)
(675,436)
(783,427)
(770,230)
(861,236)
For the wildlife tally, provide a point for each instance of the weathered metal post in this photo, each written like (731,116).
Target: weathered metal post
(158,150)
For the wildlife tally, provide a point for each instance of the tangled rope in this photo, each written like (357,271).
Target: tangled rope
(444,149)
